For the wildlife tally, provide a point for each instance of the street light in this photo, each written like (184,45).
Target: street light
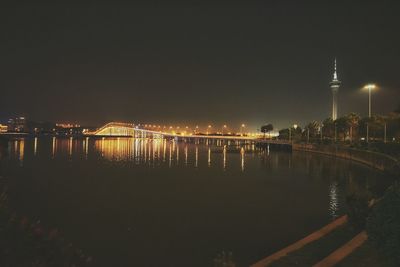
(242,128)
(224,127)
(369,87)
(208,129)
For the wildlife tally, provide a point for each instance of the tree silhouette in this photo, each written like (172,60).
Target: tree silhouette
(267,128)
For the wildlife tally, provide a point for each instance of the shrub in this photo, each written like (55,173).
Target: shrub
(383,225)
(358,210)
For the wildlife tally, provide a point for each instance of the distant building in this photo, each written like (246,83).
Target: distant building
(3,128)
(17,124)
(335,84)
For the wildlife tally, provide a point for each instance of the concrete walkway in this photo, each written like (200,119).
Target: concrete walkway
(301,243)
(343,251)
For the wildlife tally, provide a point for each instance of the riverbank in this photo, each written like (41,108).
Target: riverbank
(290,255)
(380,161)
(343,245)
(318,250)
(366,255)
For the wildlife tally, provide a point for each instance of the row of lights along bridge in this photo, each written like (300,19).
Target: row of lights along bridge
(224,129)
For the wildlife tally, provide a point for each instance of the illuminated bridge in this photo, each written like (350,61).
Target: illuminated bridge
(118,129)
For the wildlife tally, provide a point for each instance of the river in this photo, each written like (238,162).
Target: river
(155,202)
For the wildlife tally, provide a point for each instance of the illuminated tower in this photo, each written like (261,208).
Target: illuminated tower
(335,84)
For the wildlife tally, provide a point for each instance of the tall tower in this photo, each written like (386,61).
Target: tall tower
(335,84)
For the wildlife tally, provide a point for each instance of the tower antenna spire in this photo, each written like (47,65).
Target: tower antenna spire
(335,72)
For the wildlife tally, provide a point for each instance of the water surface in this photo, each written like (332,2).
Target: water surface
(155,202)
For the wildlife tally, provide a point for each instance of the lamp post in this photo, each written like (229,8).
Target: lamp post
(223,128)
(320,131)
(208,129)
(290,132)
(369,87)
(242,128)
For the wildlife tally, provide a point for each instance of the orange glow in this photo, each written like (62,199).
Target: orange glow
(67,125)
(118,129)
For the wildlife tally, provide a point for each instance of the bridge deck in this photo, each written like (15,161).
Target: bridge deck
(116,129)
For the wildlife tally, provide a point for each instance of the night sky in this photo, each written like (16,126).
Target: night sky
(197,63)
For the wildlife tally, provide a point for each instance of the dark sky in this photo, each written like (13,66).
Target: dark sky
(196,63)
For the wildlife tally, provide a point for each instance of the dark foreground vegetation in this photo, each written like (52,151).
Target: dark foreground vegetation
(382,224)
(381,220)
(26,242)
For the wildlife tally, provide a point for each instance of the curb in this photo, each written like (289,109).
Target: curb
(343,251)
(301,243)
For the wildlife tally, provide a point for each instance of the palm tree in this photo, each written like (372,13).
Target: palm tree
(328,128)
(342,125)
(374,124)
(393,124)
(267,128)
(353,120)
(312,129)
(381,123)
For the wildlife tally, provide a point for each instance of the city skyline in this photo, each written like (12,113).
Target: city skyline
(194,64)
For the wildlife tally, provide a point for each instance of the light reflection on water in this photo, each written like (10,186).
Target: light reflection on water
(154,151)
(157,149)
(139,151)
(17,150)
(333,199)
(233,185)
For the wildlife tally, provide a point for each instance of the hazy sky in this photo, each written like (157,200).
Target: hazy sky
(235,62)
